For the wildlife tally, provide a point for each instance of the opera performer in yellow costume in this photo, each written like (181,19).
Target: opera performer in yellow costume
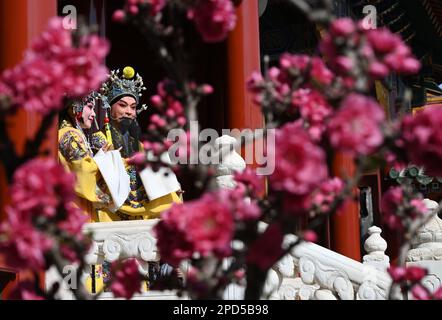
(120,96)
(76,155)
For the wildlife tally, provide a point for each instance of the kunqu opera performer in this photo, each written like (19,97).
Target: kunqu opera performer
(120,97)
(76,155)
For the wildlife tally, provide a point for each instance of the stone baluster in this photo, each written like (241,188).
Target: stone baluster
(122,240)
(375,247)
(230,162)
(426,249)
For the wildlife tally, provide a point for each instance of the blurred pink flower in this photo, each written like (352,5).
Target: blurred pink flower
(265,251)
(83,67)
(125,278)
(132,7)
(342,27)
(344,64)
(40,186)
(419,207)
(415,274)
(69,253)
(139,158)
(73,221)
(299,163)
(118,16)
(383,40)
(320,73)
(420,293)
(156,6)
(206,89)
(294,61)
(397,274)
(211,225)
(355,128)
(36,85)
(5,90)
(378,70)
(422,139)
(314,111)
(391,52)
(25,290)
(437,295)
(213,18)
(250,179)
(381,51)
(390,203)
(255,82)
(310,236)
(173,243)
(325,195)
(241,208)
(53,66)
(25,246)
(298,205)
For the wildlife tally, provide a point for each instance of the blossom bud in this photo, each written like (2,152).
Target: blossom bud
(343,27)
(156,100)
(207,89)
(137,159)
(410,65)
(133,10)
(310,236)
(181,121)
(118,16)
(170,113)
(378,70)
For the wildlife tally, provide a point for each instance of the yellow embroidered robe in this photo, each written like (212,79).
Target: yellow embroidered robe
(137,206)
(77,158)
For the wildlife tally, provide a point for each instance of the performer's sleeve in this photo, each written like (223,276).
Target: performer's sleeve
(73,151)
(98,141)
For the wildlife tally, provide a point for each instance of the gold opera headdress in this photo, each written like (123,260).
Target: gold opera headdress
(120,85)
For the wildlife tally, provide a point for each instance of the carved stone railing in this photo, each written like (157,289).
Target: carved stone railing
(122,239)
(308,272)
(426,249)
(112,241)
(313,272)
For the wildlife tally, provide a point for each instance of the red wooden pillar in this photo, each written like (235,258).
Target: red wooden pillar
(20,22)
(345,226)
(243,58)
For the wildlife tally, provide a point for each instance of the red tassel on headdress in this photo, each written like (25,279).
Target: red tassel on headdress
(79,116)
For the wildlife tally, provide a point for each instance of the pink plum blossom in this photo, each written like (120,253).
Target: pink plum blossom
(211,222)
(342,27)
(324,196)
(419,292)
(26,246)
(249,178)
(266,250)
(25,290)
(213,18)
(53,66)
(422,139)
(355,128)
(314,111)
(320,73)
(126,279)
(41,189)
(300,164)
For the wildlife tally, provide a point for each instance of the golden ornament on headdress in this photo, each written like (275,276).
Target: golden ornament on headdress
(128,72)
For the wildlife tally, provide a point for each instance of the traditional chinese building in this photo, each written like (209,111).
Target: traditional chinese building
(264,28)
